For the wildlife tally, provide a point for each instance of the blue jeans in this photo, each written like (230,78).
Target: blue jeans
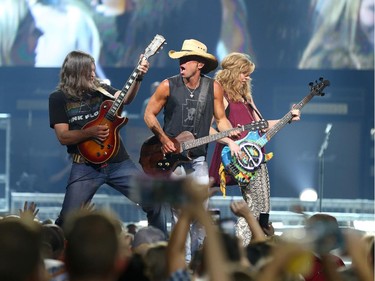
(85,180)
(198,170)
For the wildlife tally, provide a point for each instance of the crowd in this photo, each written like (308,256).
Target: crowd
(94,244)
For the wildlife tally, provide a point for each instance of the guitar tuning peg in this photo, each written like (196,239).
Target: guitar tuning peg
(322,94)
(321,79)
(311,84)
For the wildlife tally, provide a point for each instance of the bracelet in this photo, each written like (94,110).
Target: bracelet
(139,78)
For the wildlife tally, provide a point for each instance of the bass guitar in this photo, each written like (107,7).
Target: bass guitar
(96,151)
(244,167)
(155,163)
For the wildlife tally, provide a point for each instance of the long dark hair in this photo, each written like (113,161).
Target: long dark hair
(75,75)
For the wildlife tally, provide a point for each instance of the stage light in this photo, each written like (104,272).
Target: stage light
(308,195)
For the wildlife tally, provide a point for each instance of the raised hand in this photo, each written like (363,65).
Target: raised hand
(240,209)
(89,206)
(29,210)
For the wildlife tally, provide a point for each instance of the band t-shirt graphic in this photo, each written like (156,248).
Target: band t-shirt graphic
(188,112)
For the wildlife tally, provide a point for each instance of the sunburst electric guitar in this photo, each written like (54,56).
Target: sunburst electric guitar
(96,151)
(155,163)
(244,167)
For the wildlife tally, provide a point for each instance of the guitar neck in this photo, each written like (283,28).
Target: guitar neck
(113,111)
(151,49)
(210,138)
(287,117)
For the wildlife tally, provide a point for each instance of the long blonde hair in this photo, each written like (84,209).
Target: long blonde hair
(231,67)
(336,40)
(12,13)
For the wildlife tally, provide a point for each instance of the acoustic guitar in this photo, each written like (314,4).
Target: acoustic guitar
(96,151)
(155,163)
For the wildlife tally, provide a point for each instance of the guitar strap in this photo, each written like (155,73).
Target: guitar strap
(202,101)
(256,111)
(105,92)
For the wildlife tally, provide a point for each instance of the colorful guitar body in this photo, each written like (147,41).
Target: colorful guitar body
(244,167)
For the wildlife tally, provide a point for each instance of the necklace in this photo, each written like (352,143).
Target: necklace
(192,91)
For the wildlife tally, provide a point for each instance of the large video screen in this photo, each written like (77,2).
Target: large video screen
(314,34)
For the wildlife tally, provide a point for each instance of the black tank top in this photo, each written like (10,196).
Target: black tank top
(180,111)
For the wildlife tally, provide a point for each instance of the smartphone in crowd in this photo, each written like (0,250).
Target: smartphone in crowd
(263,219)
(149,190)
(215,215)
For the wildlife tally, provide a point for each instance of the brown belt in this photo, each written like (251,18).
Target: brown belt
(77,158)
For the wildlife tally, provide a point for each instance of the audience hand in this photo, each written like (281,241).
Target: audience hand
(29,210)
(240,209)
(89,206)
(269,231)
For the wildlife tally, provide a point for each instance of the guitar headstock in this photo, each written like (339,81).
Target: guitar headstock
(155,45)
(318,87)
(262,124)
(257,125)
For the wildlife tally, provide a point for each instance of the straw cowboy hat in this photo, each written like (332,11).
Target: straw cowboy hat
(193,47)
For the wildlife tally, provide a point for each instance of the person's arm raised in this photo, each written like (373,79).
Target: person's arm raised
(142,68)
(240,208)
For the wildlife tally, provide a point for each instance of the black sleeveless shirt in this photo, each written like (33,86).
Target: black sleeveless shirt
(180,111)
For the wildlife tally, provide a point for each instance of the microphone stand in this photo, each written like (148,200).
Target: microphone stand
(321,164)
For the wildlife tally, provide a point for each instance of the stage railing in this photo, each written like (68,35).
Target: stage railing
(346,211)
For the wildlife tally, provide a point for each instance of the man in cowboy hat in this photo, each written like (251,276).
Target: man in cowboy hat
(190,101)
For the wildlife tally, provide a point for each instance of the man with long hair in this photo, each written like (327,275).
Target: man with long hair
(76,102)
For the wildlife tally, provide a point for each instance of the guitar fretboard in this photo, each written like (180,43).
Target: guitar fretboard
(316,90)
(112,112)
(287,117)
(151,49)
(210,138)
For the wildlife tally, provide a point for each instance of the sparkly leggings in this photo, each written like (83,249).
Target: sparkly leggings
(257,196)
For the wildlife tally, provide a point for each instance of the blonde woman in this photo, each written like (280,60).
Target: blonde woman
(240,110)
(18,34)
(343,35)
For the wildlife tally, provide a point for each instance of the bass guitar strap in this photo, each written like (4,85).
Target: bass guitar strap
(256,111)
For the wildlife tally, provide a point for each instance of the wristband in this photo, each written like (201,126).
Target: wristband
(139,78)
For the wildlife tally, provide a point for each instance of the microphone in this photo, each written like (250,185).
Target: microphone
(328,128)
